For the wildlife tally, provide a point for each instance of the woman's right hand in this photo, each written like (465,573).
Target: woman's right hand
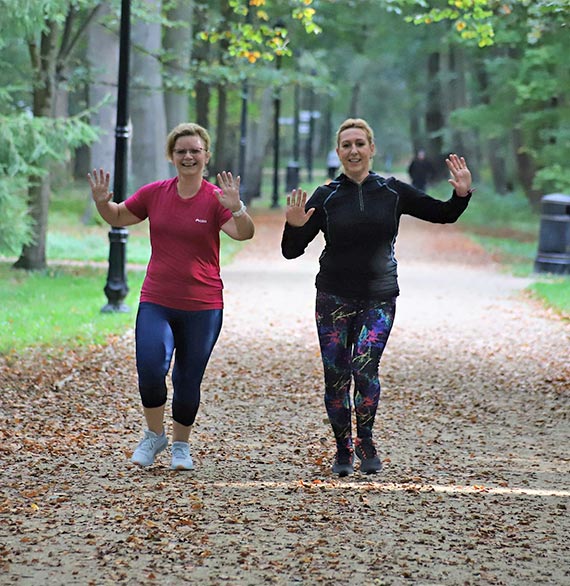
(295,213)
(99,183)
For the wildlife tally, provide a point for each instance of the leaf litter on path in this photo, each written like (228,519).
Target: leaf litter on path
(472,429)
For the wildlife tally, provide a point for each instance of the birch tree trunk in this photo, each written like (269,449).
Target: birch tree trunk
(148,114)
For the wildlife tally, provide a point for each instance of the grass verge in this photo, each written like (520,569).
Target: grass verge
(507,228)
(60,307)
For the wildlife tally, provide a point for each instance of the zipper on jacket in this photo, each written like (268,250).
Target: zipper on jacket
(360,197)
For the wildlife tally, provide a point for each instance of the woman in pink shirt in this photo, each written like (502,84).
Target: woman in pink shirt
(181,301)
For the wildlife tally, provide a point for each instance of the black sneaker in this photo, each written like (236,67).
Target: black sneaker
(343,464)
(369,460)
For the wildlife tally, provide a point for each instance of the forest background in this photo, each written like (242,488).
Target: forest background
(271,81)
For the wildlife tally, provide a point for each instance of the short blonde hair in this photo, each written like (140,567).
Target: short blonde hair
(355,123)
(186,129)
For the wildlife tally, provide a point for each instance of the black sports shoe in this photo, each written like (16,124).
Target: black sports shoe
(343,464)
(366,452)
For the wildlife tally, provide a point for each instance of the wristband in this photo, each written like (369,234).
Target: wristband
(241,210)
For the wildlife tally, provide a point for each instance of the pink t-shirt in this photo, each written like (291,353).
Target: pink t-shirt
(184,267)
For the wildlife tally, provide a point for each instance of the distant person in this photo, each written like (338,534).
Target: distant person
(333,164)
(180,309)
(357,284)
(421,170)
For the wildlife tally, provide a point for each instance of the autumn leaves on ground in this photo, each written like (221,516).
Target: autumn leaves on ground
(472,429)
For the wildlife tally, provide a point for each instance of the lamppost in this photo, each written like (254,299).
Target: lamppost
(276,115)
(116,288)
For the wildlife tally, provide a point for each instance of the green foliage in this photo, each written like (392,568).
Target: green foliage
(15,229)
(259,32)
(28,146)
(478,20)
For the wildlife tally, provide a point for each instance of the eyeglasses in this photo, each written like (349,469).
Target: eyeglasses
(182,152)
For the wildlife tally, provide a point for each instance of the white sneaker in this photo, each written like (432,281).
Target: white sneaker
(149,447)
(181,458)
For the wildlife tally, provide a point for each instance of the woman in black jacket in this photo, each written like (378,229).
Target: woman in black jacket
(357,284)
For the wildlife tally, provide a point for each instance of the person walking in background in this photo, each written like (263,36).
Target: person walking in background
(333,163)
(181,301)
(421,170)
(357,284)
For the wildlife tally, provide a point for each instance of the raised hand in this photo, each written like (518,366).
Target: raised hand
(229,196)
(461,176)
(99,183)
(295,213)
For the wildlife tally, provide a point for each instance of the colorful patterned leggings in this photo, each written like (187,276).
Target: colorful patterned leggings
(352,335)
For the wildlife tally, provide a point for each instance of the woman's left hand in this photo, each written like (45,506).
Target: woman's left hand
(461,176)
(229,196)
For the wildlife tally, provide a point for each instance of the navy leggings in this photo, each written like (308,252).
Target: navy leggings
(193,334)
(352,335)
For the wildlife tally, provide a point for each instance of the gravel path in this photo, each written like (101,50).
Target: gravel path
(473,431)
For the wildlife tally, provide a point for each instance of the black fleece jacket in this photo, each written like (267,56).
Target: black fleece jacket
(360,224)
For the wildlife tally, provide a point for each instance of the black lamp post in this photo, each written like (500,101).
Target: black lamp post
(116,288)
(276,115)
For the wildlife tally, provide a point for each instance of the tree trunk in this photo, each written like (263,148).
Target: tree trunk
(354,101)
(457,95)
(435,117)
(259,143)
(44,62)
(103,63)
(200,54)
(526,170)
(224,156)
(495,146)
(498,166)
(148,115)
(178,45)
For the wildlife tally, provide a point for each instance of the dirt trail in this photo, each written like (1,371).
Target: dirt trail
(473,431)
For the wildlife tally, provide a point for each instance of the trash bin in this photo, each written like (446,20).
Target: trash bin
(554,238)
(292,177)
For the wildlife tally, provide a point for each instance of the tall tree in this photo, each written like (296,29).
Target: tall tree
(51,29)
(536,33)
(177,40)
(102,58)
(148,112)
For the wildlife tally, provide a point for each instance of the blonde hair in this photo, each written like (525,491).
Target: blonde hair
(186,129)
(355,123)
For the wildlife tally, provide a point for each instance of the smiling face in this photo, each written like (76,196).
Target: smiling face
(355,152)
(190,156)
